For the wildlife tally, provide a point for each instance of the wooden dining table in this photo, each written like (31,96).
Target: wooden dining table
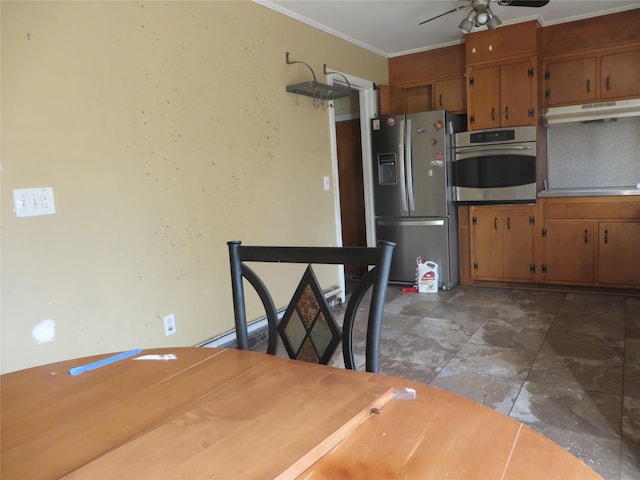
(208,413)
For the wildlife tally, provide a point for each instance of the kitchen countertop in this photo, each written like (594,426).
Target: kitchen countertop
(588,192)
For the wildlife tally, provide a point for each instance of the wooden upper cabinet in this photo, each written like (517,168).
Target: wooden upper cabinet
(503,43)
(423,68)
(576,80)
(517,94)
(570,81)
(450,95)
(483,98)
(579,37)
(620,75)
(429,80)
(501,95)
(502,86)
(417,99)
(591,60)
(389,100)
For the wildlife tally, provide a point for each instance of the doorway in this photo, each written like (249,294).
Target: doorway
(351,186)
(352,173)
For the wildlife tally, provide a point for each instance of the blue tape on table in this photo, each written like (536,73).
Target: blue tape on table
(105,361)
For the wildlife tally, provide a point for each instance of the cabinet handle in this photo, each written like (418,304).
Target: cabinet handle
(588,85)
(506,112)
(606,236)
(493,114)
(608,79)
(586,236)
(495,223)
(508,223)
(440,99)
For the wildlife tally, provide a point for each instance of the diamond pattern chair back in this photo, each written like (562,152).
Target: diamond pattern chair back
(308,328)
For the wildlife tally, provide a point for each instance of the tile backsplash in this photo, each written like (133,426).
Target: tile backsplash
(594,154)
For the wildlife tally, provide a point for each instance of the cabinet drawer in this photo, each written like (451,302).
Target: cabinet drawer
(614,210)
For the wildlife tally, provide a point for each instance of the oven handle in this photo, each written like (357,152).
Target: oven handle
(501,149)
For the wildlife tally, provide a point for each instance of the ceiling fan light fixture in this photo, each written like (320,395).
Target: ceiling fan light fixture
(493,22)
(483,14)
(466,25)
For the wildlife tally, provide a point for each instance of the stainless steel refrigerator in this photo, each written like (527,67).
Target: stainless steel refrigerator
(413,201)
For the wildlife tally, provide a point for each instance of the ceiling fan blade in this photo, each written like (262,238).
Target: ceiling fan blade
(523,3)
(445,13)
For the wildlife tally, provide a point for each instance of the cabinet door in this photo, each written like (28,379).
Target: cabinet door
(417,99)
(620,75)
(483,98)
(486,243)
(570,82)
(450,95)
(389,100)
(518,243)
(517,94)
(619,253)
(568,251)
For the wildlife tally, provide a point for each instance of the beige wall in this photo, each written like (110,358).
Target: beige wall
(165,130)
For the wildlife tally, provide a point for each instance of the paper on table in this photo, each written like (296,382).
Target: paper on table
(166,356)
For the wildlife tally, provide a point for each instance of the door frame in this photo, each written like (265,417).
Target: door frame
(368,110)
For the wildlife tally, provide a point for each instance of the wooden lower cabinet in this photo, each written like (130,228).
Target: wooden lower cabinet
(568,251)
(592,241)
(619,253)
(502,242)
(580,241)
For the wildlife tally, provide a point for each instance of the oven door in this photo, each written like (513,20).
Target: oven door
(495,173)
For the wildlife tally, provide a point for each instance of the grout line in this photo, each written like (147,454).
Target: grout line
(535,358)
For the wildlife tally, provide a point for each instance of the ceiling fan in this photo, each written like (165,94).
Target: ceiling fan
(481,14)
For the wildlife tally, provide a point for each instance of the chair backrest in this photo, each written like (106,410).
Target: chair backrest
(308,328)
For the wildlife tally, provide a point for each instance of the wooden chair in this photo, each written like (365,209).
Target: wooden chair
(308,328)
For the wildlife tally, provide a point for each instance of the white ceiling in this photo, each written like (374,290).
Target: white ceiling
(390,27)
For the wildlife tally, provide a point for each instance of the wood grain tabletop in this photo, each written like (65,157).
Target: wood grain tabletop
(229,414)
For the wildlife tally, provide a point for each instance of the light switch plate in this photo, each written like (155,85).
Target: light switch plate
(32,202)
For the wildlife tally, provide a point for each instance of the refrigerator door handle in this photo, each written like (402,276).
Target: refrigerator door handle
(401,151)
(409,167)
(411,223)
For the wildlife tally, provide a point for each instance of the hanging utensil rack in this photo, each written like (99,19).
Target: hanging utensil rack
(320,92)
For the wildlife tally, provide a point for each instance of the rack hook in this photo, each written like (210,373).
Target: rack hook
(291,62)
(329,72)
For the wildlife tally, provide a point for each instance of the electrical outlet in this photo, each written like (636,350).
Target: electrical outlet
(31,202)
(169,324)
(327,183)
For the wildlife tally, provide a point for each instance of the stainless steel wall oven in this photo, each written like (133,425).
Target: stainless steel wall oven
(495,166)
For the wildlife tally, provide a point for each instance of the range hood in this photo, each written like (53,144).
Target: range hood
(592,111)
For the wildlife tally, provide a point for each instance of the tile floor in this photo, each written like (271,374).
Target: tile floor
(566,364)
